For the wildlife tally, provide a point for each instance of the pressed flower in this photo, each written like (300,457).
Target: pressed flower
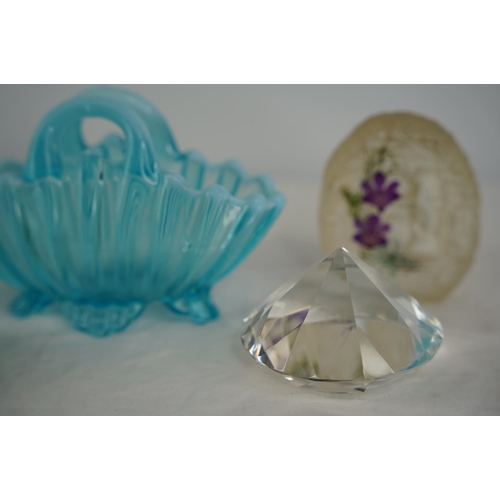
(371,231)
(376,193)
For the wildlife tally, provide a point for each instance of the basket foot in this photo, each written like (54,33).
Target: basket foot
(195,304)
(29,302)
(100,319)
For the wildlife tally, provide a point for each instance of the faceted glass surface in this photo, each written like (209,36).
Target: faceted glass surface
(340,327)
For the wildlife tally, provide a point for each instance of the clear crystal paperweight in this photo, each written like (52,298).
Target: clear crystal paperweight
(341,327)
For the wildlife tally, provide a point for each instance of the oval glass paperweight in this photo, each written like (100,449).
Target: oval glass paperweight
(401,193)
(106,229)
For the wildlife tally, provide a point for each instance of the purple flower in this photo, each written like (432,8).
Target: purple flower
(371,232)
(377,194)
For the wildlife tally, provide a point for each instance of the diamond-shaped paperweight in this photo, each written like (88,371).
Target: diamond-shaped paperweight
(341,327)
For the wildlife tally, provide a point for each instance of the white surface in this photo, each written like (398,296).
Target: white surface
(164,365)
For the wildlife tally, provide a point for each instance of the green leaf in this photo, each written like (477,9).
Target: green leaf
(395,260)
(354,200)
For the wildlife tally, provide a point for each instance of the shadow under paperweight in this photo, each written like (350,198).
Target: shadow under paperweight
(105,229)
(341,327)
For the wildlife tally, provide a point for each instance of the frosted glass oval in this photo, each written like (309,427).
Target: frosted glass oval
(400,193)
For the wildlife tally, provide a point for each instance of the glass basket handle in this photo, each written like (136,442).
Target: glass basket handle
(58,140)
(162,137)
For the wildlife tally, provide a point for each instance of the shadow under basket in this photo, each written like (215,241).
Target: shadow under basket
(109,228)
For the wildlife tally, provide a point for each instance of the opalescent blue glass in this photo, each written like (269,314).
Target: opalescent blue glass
(107,229)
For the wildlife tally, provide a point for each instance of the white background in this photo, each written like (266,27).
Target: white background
(164,365)
(277,129)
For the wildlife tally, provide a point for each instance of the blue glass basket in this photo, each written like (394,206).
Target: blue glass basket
(104,230)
